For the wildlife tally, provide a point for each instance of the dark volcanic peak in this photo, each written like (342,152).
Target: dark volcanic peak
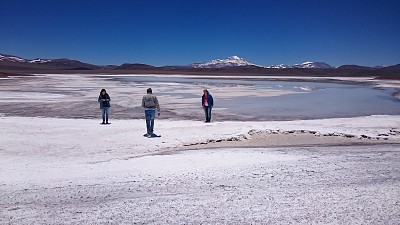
(70,64)
(352,67)
(134,66)
(394,67)
(18,63)
(357,67)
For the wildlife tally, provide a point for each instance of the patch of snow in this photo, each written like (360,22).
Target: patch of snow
(39,61)
(11,58)
(316,65)
(280,66)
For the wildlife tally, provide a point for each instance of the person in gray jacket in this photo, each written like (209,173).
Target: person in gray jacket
(151,107)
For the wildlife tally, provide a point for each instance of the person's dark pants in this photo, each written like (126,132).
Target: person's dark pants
(207,111)
(150,115)
(104,113)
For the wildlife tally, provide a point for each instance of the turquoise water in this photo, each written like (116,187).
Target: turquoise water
(324,100)
(75,96)
(311,100)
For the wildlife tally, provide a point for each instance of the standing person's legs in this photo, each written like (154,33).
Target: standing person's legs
(153,115)
(148,119)
(106,112)
(150,115)
(103,114)
(207,111)
(209,114)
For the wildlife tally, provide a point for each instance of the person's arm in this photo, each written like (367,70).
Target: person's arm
(211,101)
(99,99)
(143,102)
(157,105)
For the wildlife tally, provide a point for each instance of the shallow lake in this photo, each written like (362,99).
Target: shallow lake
(280,99)
(235,98)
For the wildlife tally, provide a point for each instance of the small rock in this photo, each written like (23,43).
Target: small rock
(349,135)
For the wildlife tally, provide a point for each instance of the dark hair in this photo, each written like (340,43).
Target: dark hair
(149,90)
(103,90)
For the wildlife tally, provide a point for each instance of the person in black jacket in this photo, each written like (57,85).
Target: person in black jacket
(104,100)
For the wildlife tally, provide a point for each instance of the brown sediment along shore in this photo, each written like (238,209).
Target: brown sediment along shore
(11,74)
(289,139)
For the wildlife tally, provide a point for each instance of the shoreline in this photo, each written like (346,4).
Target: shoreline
(275,139)
(78,138)
(369,130)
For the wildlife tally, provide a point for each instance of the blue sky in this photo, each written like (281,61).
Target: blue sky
(180,32)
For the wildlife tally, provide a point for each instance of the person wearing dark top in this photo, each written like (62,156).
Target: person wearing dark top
(207,102)
(104,100)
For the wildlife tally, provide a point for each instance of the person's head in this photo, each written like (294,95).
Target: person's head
(103,91)
(205,91)
(149,91)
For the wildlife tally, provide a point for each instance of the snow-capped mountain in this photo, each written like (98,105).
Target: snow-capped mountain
(221,63)
(280,66)
(314,65)
(309,65)
(39,61)
(234,61)
(11,58)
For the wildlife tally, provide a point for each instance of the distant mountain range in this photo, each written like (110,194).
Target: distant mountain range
(237,61)
(11,58)
(233,61)
(230,65)
(18,63)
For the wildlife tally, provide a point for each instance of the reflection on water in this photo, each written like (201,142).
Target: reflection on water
(75,96)
(303,100)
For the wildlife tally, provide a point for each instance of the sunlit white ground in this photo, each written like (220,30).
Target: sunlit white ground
(55,170)
(76,171)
